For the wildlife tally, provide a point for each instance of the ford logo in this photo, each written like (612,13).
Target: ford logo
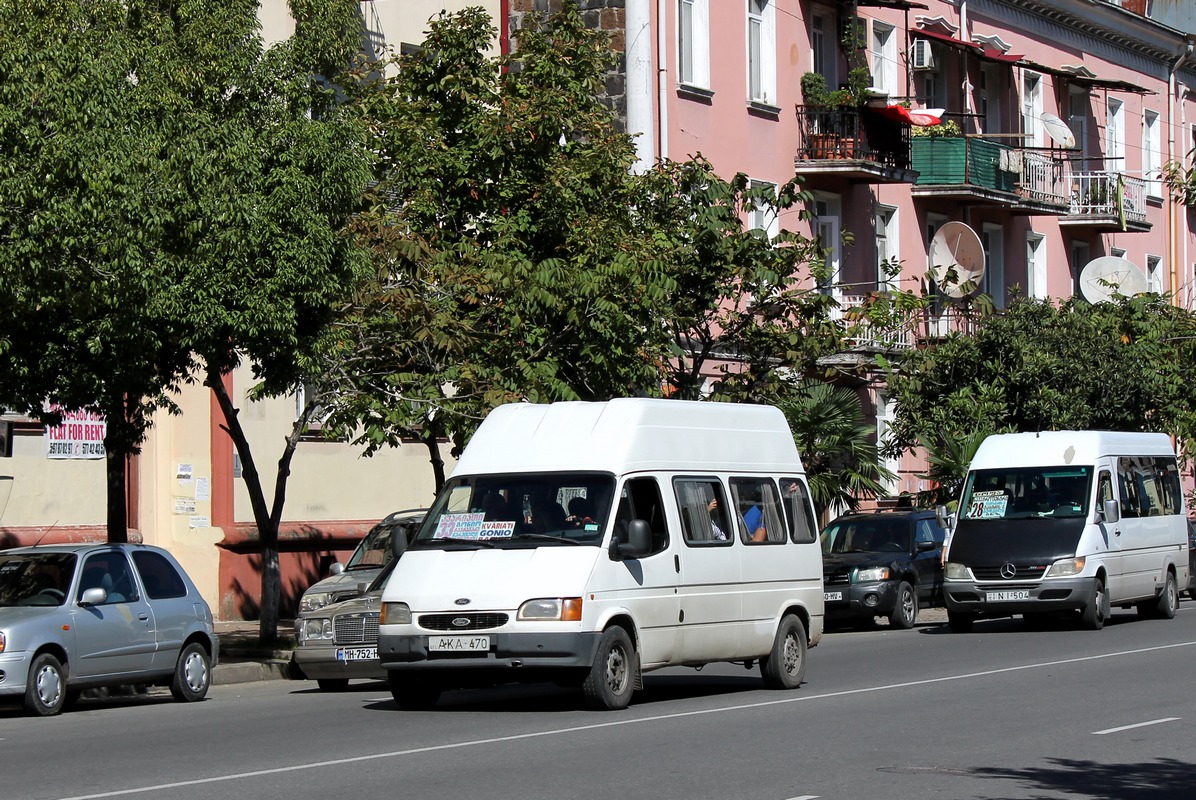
(461,622)
(461,601)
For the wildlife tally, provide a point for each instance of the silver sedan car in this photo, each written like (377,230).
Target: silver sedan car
(339,642)
(78,616)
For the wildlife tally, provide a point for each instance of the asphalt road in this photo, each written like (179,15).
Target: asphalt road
(1003,712)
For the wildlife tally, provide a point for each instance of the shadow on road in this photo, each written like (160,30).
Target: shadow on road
(1162,779)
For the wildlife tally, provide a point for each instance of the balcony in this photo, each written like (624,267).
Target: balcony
(868,338)
(1045,186)
(966,168)
(1106,201)
(854,143)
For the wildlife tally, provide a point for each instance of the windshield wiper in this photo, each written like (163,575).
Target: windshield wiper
(548,537)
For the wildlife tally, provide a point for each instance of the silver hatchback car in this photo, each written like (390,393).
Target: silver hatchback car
(77,616)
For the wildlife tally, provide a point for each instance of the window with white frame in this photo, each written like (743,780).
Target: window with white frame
(886,412)
(934,81)
(990,97)
(1036,277)
(1078,104)
(1115,136)
(1154,274)
(1079,260)
(693,43)
(884,57)
(1152,153)
(827,212)
(824,49)
(993,282)
(1032,109)
(764,217)
(886,247)
(762,51)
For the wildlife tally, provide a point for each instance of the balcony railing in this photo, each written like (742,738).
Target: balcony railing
(966,161)
(1045,179)
(1108,194)
(852,133)
(871,336)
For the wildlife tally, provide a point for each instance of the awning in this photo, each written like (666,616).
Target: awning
(918,117)
(1074,76)
(987,53)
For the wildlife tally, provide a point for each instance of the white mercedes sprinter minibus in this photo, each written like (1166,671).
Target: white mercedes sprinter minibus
(588,543)
(1068,520)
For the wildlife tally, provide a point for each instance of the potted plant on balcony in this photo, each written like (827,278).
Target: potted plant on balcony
(825,131)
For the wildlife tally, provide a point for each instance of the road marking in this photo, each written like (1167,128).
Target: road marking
(307,765)
(1135,725)
(805,797)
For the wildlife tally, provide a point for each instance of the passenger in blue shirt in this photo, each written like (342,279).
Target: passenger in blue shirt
(753,518)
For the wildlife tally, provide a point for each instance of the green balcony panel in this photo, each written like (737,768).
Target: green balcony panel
(949,160)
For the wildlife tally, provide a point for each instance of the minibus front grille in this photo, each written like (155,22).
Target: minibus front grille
(356,628)
(1020,572)
(462,622)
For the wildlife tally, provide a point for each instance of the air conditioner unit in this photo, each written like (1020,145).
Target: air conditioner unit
(922,56)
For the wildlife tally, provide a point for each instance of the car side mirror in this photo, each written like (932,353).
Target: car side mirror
(925,547)
(639,540)
(336,569)
(93,597)
(1111,511)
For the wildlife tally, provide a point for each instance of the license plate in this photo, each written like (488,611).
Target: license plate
(459,644)
(1000,597)
(357,654)
(829,596)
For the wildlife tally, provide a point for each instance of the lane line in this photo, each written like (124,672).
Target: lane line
(1135,725)
(308,765)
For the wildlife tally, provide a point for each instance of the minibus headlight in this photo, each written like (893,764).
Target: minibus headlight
(555,609)
(2,642)
(315,628)
(871,574)
(313,601)
(955,571)
(1066,566)
(395,614)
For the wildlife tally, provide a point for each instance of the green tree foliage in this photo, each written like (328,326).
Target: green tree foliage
(838,448)
(173,198)
(1041,366)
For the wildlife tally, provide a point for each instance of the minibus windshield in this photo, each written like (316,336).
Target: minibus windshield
(1027,493)
(521,510)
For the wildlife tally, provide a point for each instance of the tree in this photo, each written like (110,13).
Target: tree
(1040,366)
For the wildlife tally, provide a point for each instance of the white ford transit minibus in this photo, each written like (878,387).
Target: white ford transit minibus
(1068,520)
(587,543)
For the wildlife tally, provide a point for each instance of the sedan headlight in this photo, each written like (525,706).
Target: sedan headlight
(395,614)
(1066,566)
(871,574)
(315,628)
(313,601)
(955,571)
(555,609)
(2,641)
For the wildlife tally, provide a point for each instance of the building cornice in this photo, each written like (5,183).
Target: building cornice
(1110,23)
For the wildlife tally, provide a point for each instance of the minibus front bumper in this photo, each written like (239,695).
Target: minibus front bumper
(998,599)
(550,650)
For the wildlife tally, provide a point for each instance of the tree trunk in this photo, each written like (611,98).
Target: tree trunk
(431,439)
(118,508)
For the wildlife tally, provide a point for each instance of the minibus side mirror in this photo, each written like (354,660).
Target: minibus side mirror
(1111,511)
(639,540)
(398,542)
(944,518)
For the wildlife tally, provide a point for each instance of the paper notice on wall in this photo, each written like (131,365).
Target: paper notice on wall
(183,474)
(203,489)
(199,522)
(184,505)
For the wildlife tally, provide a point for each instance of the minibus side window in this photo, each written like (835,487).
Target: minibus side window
(703,511)
(758,508)
(1104,490)
(799,511)
(641,500)
(1170,491)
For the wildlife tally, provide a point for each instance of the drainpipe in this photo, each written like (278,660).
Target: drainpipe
(638,49)
(662,77)
(1175,209)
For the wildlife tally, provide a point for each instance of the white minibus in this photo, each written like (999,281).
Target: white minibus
(1068,521)
(587,543)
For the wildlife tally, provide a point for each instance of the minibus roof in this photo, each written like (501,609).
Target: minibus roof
(631,435)
(1058,448)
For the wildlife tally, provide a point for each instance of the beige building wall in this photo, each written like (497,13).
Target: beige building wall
(39,491)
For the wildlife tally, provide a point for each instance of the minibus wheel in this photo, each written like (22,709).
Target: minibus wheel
(785,666)
(611,680)
(1168,600)
(1093,615)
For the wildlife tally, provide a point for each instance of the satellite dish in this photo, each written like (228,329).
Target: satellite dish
(956,249)
(1106,276)
(1057,129)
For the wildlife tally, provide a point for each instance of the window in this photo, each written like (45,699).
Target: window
(1032,109)
(1115,137)
(990,97)
(824,47)
(693,43)
(887,248)
(886,412)
(934,83)
(826,229)
(1155,279)
(762,51)
(799,510)
(1079,260)
(1152,155)
(640,499)
(1036,277)
(108,571)
(159,577)
(758,510)
(763,217)
(993,282)
(1149,486)
(884,57)
(1078,102)
(703,508)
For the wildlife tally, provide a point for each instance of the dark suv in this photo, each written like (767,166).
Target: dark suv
(882,564)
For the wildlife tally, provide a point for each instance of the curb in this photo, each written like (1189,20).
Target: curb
(250,671)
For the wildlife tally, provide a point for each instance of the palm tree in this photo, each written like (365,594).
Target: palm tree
(838,447)
(948,459)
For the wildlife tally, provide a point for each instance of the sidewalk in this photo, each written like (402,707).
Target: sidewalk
(244,660)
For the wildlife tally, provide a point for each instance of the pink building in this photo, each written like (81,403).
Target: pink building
(1067,109)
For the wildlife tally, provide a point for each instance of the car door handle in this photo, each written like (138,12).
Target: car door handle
(143,617)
